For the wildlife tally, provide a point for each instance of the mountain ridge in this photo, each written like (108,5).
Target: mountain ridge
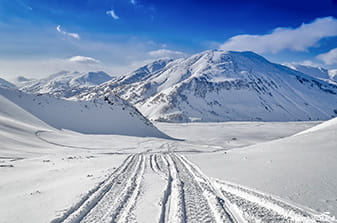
(65,84)
(218,85)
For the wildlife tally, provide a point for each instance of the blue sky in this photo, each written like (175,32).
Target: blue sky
(39,37)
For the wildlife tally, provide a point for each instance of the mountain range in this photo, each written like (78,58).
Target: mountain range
(218,85)
(210,86)
(65,83)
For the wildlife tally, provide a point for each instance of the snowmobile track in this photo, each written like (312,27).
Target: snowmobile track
(189,196)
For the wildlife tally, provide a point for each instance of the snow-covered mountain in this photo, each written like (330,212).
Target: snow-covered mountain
(333,74)
(6,84)
(318,72)
(65,83)
(218,85)
(110,115)
(144,72)
(21,81)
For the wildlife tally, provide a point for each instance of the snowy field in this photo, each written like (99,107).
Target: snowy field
(64,176)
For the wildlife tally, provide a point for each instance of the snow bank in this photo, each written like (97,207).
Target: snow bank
(328,125)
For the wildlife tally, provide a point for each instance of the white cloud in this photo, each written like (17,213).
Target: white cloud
(329,58)
(112,14)
(83,59)
(9,69)
(295,39)
(73,35)
(304,63)
(160,53)
(133,2)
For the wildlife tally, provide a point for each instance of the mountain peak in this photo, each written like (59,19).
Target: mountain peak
(218,85)
(66,83)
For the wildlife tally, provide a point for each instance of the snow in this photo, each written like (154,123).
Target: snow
(21,81)
(102,116)
(228,135)
(216,85)
(333,74)
(57,174)
(331,124)
(6,84)
(65,84)
(38,188)
(298,168)
(318,72)
(100,160)
(151,194)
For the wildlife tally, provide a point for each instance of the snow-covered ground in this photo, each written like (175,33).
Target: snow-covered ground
(300,168)
(217,172)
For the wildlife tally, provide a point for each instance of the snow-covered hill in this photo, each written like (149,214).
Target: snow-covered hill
(299,168)
(6,84)
(110,115)
(218,85)
(65,83)
(327,125)
(17,130)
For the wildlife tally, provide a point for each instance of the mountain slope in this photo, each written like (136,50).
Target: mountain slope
(299,168)
(333,74)
(218,85)
(65,84)
(317,72)
(6,84)
(17,129)
(110,115)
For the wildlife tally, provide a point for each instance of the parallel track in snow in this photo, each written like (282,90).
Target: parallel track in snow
(188,196)
(113,199)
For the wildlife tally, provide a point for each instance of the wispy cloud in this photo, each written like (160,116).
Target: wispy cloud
(112,14)
(329,58)
(161,53)
(73,35)
(295,39)
(133,2)
(83,59)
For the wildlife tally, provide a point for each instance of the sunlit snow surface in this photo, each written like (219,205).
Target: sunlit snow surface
(217,172)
